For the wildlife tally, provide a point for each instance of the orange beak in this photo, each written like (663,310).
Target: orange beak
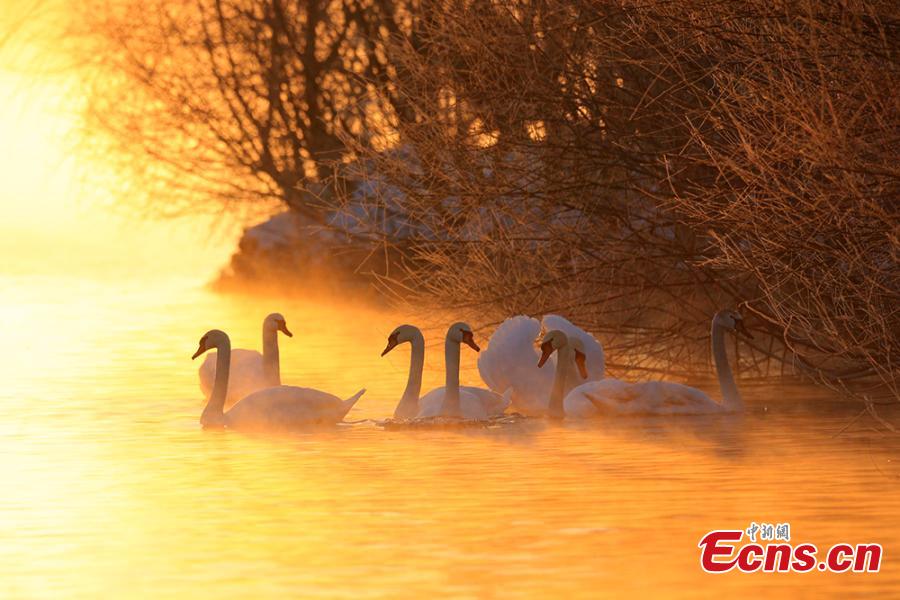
(742,329)
(282,327)
(580,360)
(200,350)
(392,341)
(546,351)
(469,340)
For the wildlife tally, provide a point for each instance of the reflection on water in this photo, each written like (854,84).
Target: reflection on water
(110,487)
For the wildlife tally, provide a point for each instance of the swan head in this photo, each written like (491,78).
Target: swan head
(732,321)
(211,339)
(550,343)
(400,335)
(276,322)
(461,333)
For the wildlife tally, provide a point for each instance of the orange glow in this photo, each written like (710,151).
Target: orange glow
(108,487)
(50,220)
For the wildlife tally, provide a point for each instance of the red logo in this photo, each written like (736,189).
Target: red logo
(722,551)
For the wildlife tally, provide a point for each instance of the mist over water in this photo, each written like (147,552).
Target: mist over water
(111,487)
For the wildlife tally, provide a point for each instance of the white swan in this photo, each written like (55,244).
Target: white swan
(452,400)
(612,396)
(510,360)
(275,408)
(570,353)
(250,370)
(409,401)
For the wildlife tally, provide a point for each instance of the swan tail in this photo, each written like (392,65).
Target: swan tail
(347,404)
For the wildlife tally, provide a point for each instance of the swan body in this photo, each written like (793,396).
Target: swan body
(276,408)
(660,397)
(471,406)
(250,370)
(510,360)
(613,396)
(288,407)
(452,399)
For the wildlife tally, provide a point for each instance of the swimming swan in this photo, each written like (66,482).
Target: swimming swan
(510,361)
(280,407)
(250,370)
(664,397)
(570,353)
(461,401)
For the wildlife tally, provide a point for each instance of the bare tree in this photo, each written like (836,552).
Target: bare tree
(237,102)
(639,165)
(636,165)
(805,196)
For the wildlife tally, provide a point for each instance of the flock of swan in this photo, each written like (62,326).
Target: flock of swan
(511,366)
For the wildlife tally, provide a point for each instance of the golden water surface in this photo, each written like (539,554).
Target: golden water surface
(110,487)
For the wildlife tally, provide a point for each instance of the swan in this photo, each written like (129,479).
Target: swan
(510,361)
(279,407)
(664,397)
(569,352)
(250,370)
(409,401)
(452,400)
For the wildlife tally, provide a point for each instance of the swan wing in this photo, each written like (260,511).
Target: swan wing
(510,361)
(245,377)
(494,403)
(666,397)
(284,407)
(430,404)
(596,362)
(593,398)
(471,405)
(611,396)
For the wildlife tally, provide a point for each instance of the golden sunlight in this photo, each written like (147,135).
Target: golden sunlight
(425,326)
(50,220)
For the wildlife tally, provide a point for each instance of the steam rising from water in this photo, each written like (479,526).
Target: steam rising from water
(112,489)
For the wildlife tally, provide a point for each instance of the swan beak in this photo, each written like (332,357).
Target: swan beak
(580,359)
(742,329)
(199,351)
(282,327)
(392,341)
(546,351)
(469,340)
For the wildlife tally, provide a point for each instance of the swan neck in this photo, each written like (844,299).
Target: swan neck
(564,358)
(409,402)
(214,412)
(731,398)
(451,405)
(271,360)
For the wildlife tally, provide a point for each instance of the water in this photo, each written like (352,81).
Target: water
(110,488)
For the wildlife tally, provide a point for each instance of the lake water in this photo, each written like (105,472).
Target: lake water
(110,488)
